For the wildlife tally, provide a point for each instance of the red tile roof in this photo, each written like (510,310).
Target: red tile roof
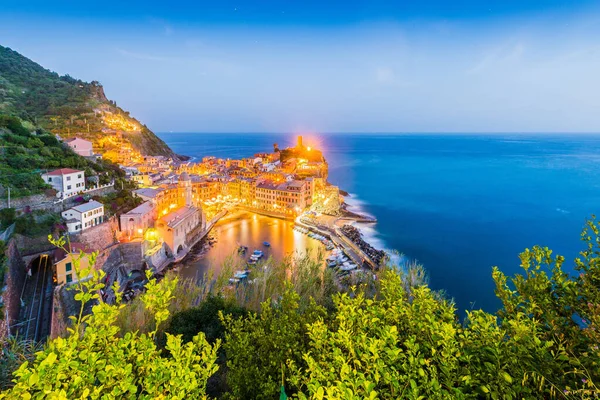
(60,254)
(62,171)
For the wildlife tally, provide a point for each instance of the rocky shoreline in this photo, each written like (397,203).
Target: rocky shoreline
(352,233)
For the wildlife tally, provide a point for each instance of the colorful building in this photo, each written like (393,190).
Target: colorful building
(65,264)
(81,146)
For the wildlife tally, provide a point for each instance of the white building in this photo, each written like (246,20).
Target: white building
(135,222)
(81,146)
(65,180)
(84,216)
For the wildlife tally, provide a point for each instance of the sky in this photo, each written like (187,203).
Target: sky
(326,66)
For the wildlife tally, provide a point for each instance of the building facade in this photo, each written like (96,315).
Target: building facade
(66,181)
(81,146)
(135,222)
(65,265)
(84,216)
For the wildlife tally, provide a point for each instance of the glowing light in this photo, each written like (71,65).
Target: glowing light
(308,148)
(140,231)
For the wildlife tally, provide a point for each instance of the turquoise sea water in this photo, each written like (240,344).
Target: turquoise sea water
(459,204)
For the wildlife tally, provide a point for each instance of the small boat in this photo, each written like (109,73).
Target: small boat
(348,266)
(251,261)
(240,275)
(257,253)
(254,257)
(332,264)
(266,244)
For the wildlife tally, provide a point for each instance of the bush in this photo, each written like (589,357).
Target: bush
(204,318)
(7,217)
(95,361)
(259,346)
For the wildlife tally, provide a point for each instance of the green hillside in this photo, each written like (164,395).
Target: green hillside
(24,154)
(67,106)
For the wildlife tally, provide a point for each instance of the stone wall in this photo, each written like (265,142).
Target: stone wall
(32,245)
(13,284)
(99,237)
(35,202)
(60,319)
(49,202)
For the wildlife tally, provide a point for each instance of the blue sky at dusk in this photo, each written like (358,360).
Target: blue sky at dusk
(372,66)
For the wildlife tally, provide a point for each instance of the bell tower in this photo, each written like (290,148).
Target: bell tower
(185,185)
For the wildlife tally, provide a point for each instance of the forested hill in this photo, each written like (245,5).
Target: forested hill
(68,106)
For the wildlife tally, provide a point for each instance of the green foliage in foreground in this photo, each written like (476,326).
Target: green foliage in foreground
(205,318)
(94,361)
(393,338)
(259,346)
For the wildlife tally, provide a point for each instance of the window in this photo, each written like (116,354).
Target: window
(49,179)
(69,187)
(69,278)
(68,178)
(68,267)
(79,176)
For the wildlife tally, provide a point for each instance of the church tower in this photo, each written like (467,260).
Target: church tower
(185,187)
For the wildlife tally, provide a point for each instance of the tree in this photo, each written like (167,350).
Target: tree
(95,361)
(204,318)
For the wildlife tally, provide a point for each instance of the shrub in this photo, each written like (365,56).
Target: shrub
(95,361)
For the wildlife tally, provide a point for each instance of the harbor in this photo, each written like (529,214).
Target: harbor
(241,228)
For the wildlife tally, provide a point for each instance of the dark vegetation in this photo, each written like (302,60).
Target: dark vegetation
(393,338)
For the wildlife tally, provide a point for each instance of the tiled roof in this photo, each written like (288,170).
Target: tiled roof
(85,207)
(63,171)
(148,192)
(143,208)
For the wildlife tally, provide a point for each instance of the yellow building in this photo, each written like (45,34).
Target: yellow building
(64,266)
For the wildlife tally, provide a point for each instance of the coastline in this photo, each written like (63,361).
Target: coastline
(339,228)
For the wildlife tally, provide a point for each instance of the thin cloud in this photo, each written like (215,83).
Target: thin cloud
(498,56)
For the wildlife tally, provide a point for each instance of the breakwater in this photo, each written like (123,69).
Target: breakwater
(352,233)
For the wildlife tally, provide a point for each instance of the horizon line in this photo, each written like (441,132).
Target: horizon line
(382,133)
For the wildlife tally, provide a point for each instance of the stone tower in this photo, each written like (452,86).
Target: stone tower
(299,145)
(185,186)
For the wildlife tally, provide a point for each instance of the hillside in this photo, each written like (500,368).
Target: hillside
(69,107)
(24,154)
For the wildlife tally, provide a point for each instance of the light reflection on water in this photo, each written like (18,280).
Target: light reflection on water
(249,229)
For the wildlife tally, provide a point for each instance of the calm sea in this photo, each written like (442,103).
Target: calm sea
(459,204)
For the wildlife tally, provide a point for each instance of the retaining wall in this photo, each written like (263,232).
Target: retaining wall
(13,284)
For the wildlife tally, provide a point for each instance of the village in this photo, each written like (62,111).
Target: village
(177,203)
(182,200)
